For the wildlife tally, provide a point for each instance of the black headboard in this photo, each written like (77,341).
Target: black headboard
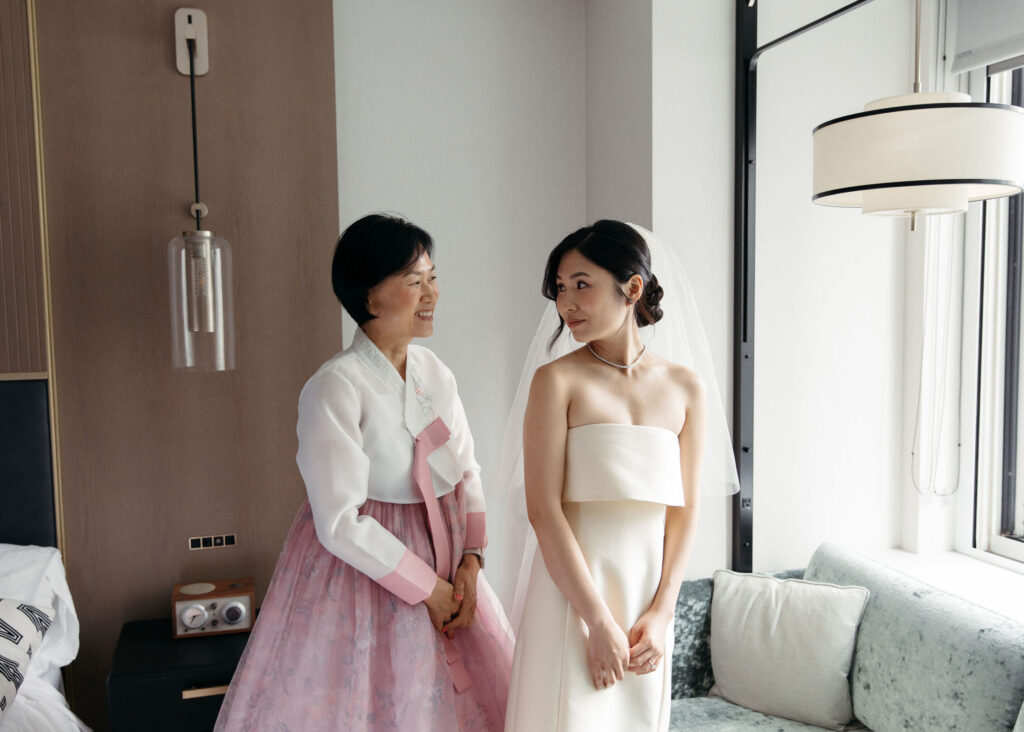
(27,514)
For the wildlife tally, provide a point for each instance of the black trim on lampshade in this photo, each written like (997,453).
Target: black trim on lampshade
(1019,185)
(912,107)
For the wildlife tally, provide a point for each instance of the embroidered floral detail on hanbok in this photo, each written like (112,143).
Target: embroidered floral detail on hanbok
(377,361)
(422,397)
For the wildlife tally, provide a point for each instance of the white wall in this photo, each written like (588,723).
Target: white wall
(619,125)
(468,118)
(829,300)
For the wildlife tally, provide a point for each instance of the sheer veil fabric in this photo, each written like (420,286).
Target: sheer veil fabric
(679,336)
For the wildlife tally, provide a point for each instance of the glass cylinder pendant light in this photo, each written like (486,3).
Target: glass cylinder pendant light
(919,154)
(202,310)
(202,307)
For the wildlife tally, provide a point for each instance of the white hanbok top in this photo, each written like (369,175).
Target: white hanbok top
(358,422)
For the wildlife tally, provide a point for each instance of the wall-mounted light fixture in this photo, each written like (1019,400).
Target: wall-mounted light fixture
(919,154)
(202,309)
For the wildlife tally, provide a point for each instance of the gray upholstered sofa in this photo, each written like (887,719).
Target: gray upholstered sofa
(923,660)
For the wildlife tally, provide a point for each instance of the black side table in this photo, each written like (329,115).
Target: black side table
(158,683)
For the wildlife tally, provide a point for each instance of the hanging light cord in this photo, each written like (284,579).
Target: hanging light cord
(195,147)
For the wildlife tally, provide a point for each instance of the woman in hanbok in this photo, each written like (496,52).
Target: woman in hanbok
(613,443)
(377,616)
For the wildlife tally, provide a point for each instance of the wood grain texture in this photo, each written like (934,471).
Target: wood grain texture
(151,456)
(22,317)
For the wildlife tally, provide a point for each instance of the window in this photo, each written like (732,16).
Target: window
(999,500)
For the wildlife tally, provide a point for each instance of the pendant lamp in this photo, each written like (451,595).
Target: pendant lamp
(919,154)
(202,310)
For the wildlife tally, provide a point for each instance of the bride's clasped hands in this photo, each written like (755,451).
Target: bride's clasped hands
(612,652)
(607,653)
(647,641)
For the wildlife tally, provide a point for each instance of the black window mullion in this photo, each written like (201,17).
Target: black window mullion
(1012,364)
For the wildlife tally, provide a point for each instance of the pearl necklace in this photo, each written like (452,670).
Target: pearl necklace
(619,365)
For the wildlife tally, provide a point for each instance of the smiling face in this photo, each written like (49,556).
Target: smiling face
(404,302)
(590,301)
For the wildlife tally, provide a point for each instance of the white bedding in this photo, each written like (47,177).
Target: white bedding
(36,575)
(39,707)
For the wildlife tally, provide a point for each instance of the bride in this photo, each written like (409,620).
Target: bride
(613,443)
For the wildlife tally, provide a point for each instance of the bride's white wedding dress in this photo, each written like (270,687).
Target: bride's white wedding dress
(618,480)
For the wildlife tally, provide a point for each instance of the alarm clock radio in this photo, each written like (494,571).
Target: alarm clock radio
(212,608)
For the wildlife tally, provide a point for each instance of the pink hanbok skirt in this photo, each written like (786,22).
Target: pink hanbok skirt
(333,650)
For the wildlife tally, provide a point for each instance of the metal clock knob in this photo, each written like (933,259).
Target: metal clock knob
(233,612)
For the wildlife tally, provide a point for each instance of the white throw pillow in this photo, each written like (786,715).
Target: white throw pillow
(35,574)
(784,647)
(22,627)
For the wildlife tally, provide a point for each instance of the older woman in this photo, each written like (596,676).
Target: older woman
(377,616)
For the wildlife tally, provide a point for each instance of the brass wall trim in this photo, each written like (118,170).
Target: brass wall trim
(44,243)
(51,381)
(25,376)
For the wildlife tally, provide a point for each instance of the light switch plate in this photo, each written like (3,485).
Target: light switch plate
(191,23)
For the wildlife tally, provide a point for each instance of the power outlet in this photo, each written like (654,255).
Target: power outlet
(215,541)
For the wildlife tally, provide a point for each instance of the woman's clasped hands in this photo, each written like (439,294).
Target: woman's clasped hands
(608,653)
(647,641)
(611,652)
(454,606)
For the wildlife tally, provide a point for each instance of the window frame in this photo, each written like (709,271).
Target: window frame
(998,434)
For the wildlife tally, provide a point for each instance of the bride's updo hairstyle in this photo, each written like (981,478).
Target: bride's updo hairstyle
(618,248)
(368,252)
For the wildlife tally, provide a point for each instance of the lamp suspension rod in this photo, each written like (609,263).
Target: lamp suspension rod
(195,147)
(917,51)
(810,26)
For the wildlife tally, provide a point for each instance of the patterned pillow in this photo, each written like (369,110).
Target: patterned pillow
(22,627)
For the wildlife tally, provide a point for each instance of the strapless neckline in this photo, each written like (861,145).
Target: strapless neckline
(623,424)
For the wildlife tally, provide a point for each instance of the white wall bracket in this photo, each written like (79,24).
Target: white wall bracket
(191,23)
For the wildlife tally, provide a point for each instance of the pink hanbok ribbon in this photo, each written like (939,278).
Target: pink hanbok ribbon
(431,438)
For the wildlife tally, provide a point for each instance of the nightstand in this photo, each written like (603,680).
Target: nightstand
(157,683)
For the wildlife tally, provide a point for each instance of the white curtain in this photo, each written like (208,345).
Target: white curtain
(936,451)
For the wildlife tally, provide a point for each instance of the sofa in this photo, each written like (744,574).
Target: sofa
(922,660)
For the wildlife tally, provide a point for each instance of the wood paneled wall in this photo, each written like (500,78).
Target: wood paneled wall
(150,456)
(22,315)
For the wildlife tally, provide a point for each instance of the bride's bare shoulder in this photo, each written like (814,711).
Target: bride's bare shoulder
(567,363)
(559,371)
(682,377)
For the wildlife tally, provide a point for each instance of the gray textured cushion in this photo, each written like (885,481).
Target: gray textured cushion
(718,715)
(926,660)
(691,658)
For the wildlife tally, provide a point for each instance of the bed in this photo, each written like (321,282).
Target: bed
(38,624)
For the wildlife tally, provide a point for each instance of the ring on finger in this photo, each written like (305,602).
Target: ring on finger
(652,664)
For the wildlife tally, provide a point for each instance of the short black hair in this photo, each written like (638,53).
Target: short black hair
(618,248)
(368,252)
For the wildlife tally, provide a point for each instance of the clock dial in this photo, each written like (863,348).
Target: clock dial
(194,616)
